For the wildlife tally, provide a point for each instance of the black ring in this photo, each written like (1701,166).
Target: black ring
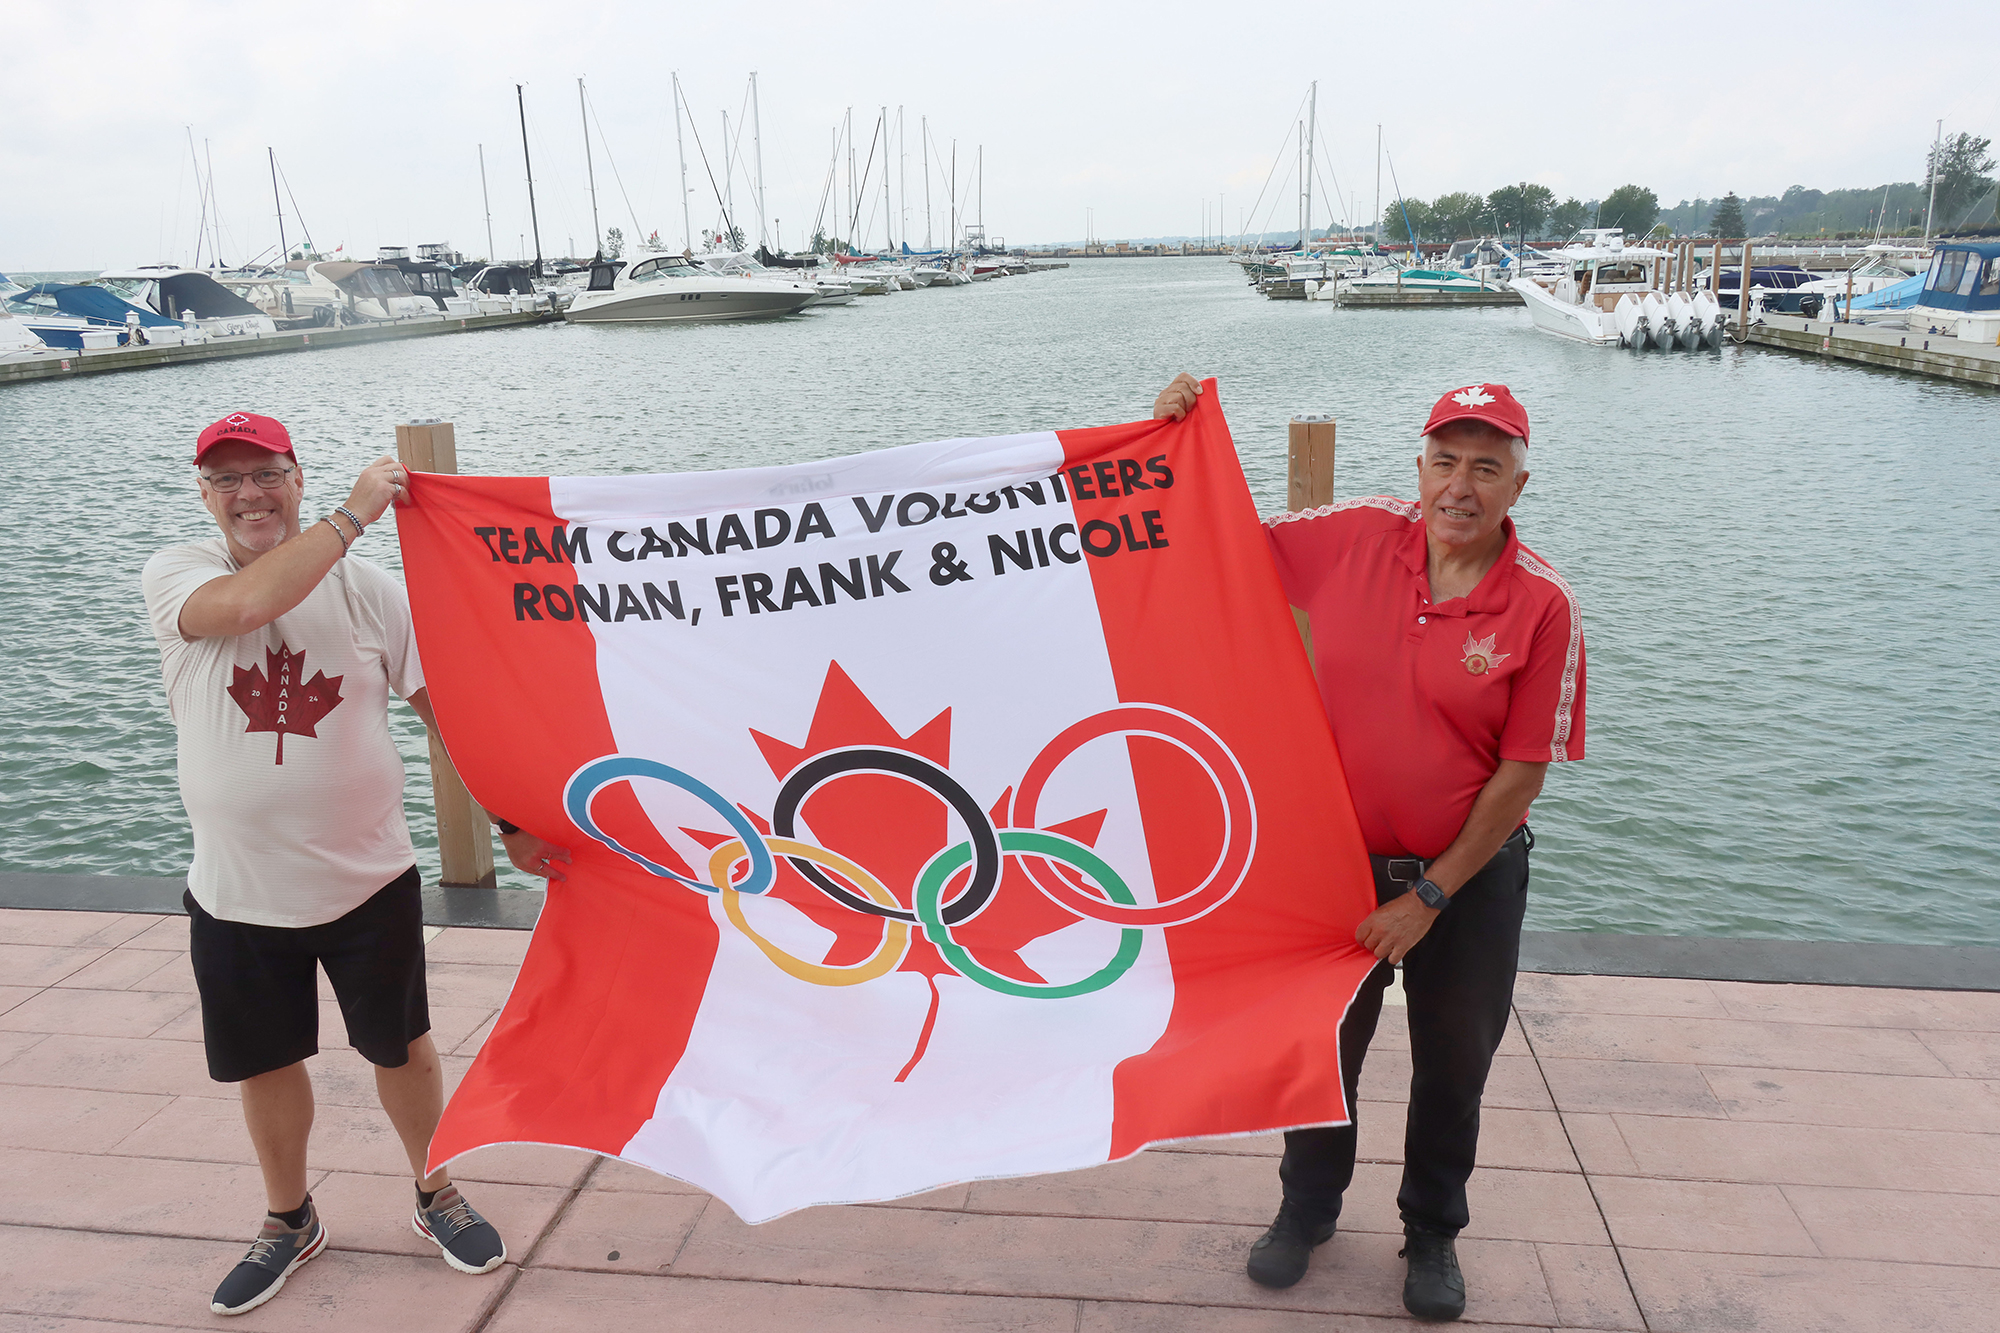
(815,773)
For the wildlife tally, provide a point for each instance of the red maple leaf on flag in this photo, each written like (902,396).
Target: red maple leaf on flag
(894,828)
(277,697)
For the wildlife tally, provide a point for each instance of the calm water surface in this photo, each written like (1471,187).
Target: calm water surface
(1790,572)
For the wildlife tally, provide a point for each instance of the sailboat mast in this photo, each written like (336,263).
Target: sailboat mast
(903,178)
(888,241)
(201,194)
(1378,185)
(527,163)
(728,183)
(982,192)
(680,147)
(486,199)
(925,122)
(284,251)
(1937,152)
(757,148)
(1312,123)
(215,215)
(852,208)
(590,167)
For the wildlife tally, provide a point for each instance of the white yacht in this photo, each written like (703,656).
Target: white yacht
(192,297)
(1609,293)
(662,288)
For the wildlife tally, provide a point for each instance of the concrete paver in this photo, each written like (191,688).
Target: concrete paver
(1720,1155)
(548,1299)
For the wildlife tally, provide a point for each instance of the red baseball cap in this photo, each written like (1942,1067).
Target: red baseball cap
(1490,403)
(264,432)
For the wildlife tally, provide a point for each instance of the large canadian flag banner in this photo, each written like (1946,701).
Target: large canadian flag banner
(947,812)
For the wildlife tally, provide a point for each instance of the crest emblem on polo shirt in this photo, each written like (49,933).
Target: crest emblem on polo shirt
(1476,396)
(1479,655)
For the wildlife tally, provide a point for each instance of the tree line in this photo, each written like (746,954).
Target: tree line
(1526,211)
(1966,199)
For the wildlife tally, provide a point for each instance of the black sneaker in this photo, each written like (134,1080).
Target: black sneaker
(277,1252)
(469,1242)
(1433,1288)
(1279,1256)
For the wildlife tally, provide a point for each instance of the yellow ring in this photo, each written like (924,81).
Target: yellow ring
(895,934)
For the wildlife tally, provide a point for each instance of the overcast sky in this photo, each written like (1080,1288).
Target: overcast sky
(1139,113)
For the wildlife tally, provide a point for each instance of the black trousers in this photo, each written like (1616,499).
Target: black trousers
(1459,980)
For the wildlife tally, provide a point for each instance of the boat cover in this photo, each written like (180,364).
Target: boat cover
(97,305)
(203,297)
(769,260)
(1964,275)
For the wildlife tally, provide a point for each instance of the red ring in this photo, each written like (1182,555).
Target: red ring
(1231,866)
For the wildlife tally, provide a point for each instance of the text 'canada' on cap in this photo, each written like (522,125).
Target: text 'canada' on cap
(264,432)
(1491,403)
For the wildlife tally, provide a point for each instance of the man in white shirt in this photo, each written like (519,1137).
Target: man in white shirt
(279,653)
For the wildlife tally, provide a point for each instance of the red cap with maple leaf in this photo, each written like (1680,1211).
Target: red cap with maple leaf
(1490,403)
(264,432)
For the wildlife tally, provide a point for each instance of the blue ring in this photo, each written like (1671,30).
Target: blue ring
(595,776)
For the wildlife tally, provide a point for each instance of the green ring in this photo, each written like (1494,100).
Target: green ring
(930,894)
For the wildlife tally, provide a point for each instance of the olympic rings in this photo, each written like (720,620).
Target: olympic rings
(1183,732)
(895,934)
(930,885)
(815,773)
(595,776)
(1091,890)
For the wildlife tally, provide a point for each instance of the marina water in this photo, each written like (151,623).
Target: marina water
(1789,570)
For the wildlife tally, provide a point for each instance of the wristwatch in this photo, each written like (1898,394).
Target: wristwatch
(1431,895)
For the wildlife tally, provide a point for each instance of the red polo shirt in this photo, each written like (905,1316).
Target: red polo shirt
(1426,700)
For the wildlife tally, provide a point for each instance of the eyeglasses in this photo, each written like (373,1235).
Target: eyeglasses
(269,479)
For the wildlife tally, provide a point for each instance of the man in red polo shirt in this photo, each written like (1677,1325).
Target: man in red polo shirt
(1450,661)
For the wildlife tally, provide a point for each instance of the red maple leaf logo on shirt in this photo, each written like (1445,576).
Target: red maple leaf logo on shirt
(278,698)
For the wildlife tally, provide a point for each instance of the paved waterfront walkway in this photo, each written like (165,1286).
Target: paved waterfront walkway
(1684,1155)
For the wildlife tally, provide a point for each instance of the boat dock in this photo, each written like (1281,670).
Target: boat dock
(1664,1149)
(1415,299)
(1933,354)
(61,365)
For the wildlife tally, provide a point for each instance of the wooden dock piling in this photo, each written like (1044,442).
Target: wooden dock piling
(465,838)
(1309,480)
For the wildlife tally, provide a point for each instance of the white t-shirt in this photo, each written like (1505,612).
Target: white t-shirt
(290,779)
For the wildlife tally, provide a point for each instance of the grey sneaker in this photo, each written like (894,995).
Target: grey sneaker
(469,1242)
(274,1256)
(1433,1288)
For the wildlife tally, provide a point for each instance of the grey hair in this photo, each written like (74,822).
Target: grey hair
(1516,446)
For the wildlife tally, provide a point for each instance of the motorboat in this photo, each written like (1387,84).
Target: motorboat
(430,279)
(1882,267)
(79,317)
(20,343)
(1414,280)
(673,288)
(1599,296)
(192,297)
(370,293)
(1961,293)
(1779,288)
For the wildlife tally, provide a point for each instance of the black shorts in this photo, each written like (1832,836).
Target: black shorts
(260,993)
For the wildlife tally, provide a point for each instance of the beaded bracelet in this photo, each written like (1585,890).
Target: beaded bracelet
(358,528)
(344,543)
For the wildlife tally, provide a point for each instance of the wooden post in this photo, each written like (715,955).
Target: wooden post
(1309,462)
(465,839)
(1309,481)
(1849,312)
(1714,272)
(1743,295)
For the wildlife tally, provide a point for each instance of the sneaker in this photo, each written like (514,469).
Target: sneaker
(277,1252)
(1279,1256)
(469,1242)
(1433,1288)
